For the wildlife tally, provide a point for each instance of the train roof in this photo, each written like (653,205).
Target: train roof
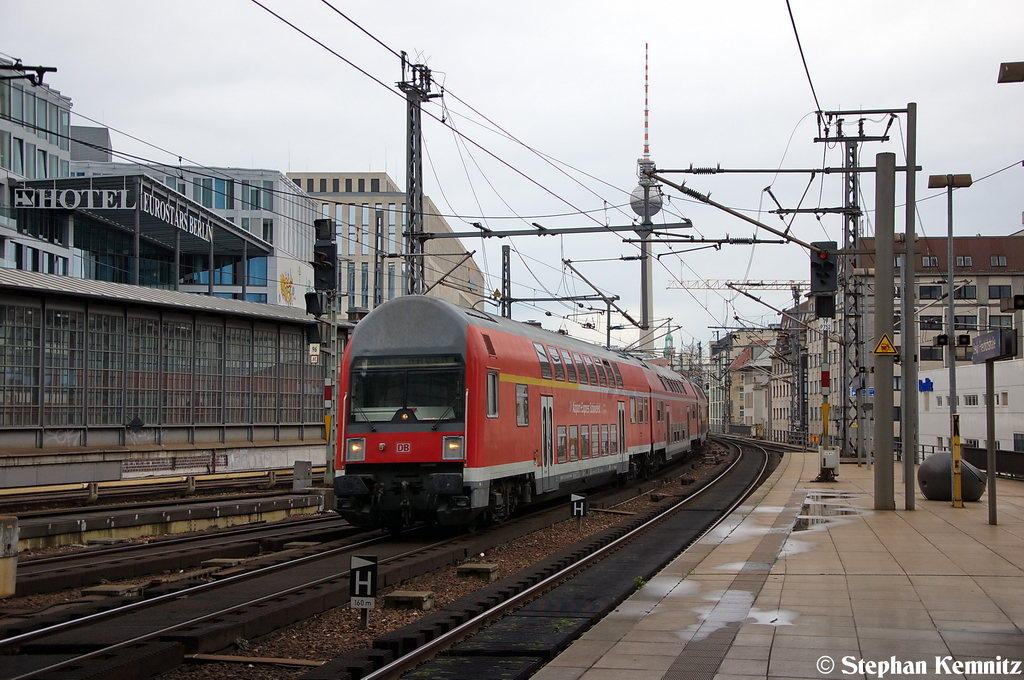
(422,324)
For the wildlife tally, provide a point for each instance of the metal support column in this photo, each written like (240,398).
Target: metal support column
(417,91)
(506,281)
(908,326)
(852,307)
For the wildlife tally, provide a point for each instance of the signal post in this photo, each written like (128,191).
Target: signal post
(824,285)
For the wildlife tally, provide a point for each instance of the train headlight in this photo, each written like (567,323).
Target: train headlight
(355,450)
(452,449)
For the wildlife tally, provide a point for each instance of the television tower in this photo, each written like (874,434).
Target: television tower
(646,203)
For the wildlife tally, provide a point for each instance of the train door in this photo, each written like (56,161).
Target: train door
(547,445)
(622,429)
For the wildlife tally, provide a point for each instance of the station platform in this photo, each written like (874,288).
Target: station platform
(127,521)
(806,580)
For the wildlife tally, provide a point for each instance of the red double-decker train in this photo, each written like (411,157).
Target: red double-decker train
(453,416)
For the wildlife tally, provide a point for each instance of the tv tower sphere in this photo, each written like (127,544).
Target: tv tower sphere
(636,201)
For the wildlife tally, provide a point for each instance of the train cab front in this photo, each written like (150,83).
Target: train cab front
(404,446)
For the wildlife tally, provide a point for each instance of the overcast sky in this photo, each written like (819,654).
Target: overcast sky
(225,83)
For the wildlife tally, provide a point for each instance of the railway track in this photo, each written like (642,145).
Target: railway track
(154,634)
(555,605)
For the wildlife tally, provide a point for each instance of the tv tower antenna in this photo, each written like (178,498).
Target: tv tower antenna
(646,203)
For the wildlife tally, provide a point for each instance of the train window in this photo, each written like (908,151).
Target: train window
(545,363)
(582,370)
(574,442)
(561,443)
(590,369)
(632,409)
(395,389)
(570,368)
(556,361)
(613,440)
(522,405)
(618,374)
(604,440)
(584,441)
(595,441)
(658,410)
(492,394)
(600,373)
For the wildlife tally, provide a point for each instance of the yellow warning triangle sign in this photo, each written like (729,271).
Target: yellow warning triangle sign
(885,346)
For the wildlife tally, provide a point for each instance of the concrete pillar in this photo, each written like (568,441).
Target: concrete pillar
(8,555)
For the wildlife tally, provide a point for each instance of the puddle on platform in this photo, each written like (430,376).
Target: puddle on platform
(825,507)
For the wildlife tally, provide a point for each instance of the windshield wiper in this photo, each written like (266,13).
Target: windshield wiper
(365,418)
(450,409)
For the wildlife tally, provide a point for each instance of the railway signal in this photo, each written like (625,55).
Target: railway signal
(824,274)
(325,257)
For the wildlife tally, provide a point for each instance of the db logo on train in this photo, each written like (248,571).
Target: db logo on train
(403,447)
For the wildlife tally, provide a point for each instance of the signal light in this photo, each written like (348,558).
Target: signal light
(941,340)
(1011,304)
(824,273)
(963,340)
(825,306)
(325,257)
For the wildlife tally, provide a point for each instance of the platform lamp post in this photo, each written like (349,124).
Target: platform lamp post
(951,182)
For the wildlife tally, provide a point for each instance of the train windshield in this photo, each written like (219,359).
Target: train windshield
(407,389)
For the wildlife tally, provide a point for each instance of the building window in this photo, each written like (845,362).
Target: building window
(965,293)
(1018,441)
(965,322)
(970,443)
(366,229)
(964,261)
(970,400)
(323,185)
(1000,321)
(931,353)
(375,185)
(996,292)
(348,185)
(309,184)
(336,185)
(929,261)
(268,230)
(522,406)
(931,323)
(930,292)
(362,185)
(964,353)
(364,284)
(998,260)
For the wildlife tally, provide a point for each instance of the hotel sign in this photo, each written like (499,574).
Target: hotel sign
(115,199)
(72,199)
(172,214)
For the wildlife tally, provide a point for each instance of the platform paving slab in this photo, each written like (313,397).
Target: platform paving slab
(805,570)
